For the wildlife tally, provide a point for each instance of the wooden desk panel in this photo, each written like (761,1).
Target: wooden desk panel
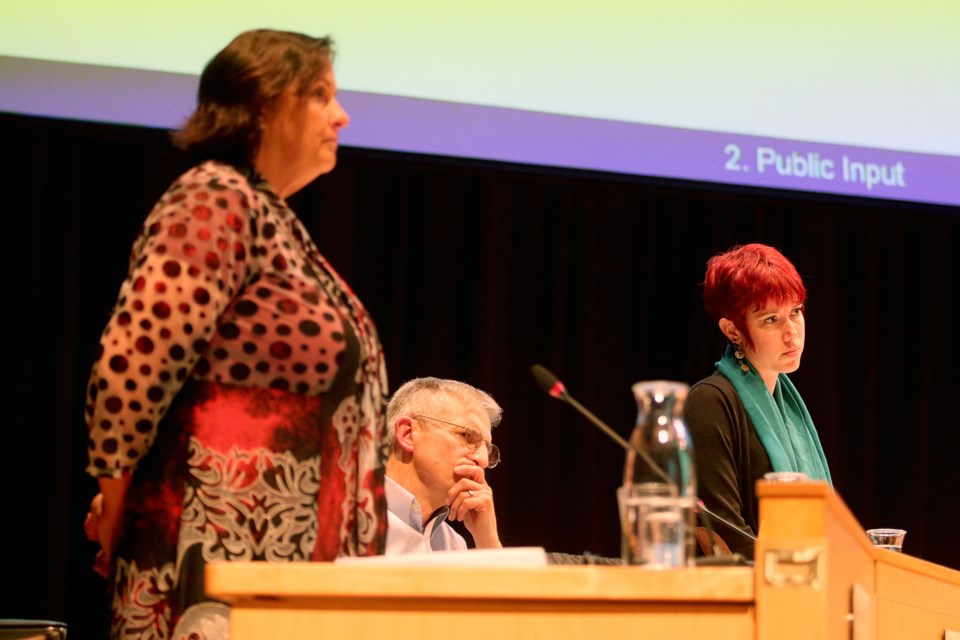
(324,600)
(915,598)
(826,582)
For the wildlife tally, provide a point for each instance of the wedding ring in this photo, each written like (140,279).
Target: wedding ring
(470,492)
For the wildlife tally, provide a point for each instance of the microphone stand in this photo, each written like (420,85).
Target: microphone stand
(552,385)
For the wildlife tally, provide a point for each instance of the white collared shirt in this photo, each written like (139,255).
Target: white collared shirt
(405,530)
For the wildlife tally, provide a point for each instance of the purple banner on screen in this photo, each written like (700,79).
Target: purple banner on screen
(509,135)
(412,125)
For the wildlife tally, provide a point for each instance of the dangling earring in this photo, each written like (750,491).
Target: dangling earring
(739,355)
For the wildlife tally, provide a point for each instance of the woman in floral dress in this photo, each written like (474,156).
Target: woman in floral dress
(235,408)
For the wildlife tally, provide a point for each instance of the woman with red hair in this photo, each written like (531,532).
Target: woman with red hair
(747,419)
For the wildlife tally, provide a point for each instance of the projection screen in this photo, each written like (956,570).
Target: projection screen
(853,98)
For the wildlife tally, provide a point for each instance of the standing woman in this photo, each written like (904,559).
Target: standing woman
(747,418)
(236,406)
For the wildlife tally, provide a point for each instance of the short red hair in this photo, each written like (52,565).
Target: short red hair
(744,278)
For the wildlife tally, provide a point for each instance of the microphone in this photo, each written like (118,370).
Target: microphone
(556,389)
(703,507)
(552,385)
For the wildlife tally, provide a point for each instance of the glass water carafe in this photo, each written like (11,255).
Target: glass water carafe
(658,495)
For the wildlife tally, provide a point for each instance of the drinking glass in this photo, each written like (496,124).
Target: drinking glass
(891,539)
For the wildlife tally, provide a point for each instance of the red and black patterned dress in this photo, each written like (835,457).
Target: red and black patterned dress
(243,384)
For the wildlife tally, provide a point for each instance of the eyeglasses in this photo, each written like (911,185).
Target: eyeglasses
(474,439)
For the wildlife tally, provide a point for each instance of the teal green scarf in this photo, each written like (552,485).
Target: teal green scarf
(781,421)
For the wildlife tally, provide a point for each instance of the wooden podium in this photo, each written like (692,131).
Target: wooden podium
(816,576)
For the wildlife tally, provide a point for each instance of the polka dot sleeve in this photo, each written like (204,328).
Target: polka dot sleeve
(194,253)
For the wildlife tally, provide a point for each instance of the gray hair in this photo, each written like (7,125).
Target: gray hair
(425,396)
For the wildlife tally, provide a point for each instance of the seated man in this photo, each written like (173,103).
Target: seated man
(439,432)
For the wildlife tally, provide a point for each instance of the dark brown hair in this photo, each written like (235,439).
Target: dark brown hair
(240,82)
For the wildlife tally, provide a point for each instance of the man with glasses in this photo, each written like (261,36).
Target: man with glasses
(440,438)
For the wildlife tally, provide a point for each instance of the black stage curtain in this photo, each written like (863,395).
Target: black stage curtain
(477,271)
